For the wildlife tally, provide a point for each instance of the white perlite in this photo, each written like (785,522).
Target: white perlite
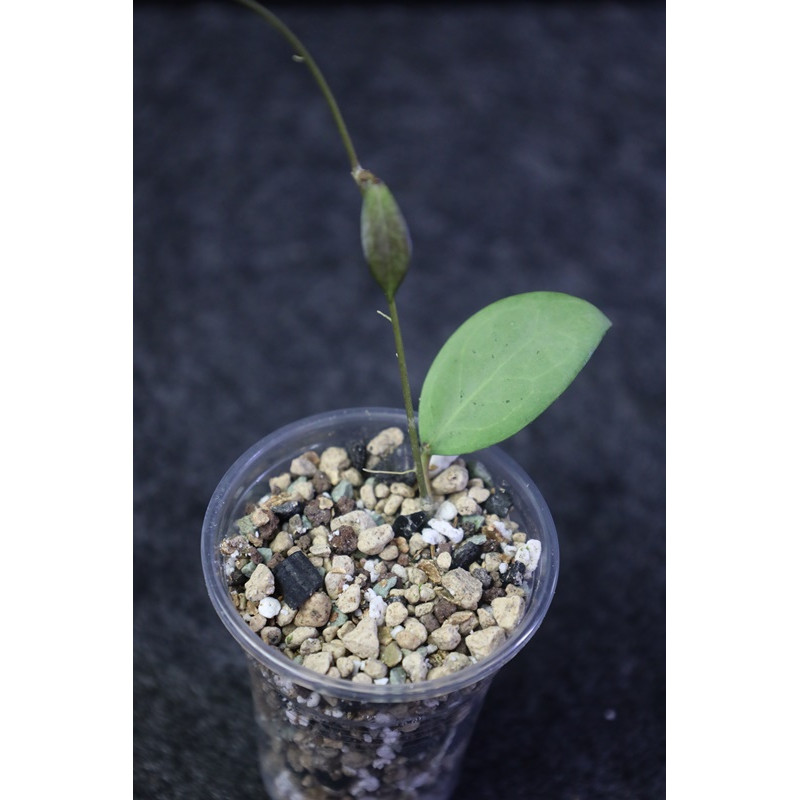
(529,555)
(269,607)
(377,606)
(443,527)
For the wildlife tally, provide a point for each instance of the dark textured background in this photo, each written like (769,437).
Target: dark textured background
(525,143)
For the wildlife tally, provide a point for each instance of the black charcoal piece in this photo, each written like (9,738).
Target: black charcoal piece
(407,524)
(499,503)
(287,510)
(358,454)
(297,578)
(515,574)
(465,555)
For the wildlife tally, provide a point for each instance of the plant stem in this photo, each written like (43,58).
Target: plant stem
(305,56)
(421,456)
(419,465)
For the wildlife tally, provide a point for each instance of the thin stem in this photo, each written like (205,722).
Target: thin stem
(305,56)
(413,435)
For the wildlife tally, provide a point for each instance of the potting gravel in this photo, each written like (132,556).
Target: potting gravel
(339,567)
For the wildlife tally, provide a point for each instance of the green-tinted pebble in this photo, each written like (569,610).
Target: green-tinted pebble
(245,525)
(477,521)
(340,620)
(295,483)
(266,553)
(382,587)
(391,655)
(248,569)
(342,489)
(397,675)
(477,470)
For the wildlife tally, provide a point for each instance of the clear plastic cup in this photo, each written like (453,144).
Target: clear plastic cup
(323,737)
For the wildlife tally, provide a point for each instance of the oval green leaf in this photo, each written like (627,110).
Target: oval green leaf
(503,367)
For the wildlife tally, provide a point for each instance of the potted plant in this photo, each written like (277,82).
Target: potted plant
(379,566)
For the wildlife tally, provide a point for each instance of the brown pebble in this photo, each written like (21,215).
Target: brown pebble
(492,593)
(403,559)
(344,540)
(345,505)
(430,622)
(315,514)
(491,546)
(321,482)
(442,609)
(275,560)
(303,542)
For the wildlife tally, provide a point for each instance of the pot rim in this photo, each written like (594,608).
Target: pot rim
(229,491)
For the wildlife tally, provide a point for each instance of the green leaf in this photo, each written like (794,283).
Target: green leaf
(384,234)
(503,367)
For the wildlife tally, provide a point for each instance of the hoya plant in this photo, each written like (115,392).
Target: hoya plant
(502,367)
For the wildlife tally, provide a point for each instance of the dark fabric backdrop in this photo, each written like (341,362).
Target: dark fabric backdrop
(526,145)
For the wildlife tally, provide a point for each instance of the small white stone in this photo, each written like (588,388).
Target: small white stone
(332,461)
(414,634)
(445,638)
(508,611)
(451,480)
(316,611)
(358,520)
(372,540)
(318,662)
(343,564)
(466,506)
(416,666)
(444,560)
(269,607)
(300,635)
(350,599)
(302,466)
(363,639)
(465,589)
(484,642)
(396,614)
(387,441)
(260,584)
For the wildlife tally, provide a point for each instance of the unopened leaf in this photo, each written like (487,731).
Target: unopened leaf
(503,367)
